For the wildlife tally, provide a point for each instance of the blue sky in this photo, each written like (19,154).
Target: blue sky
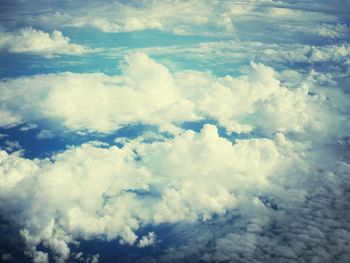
(174,131)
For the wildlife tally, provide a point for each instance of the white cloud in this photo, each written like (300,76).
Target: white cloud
(87,191)
(179,17)
(8,119)
(301,215)
(332,31)
(29,126)
(45,134)
(252,19)
(187,17)
(30,40)
(147,240)
(146,92)
(95,259)
(128,24)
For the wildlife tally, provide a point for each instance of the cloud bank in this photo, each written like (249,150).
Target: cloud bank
(222,135)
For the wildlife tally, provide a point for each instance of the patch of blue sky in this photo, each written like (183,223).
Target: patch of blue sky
(108,50)
(114,252)
(206,64)
(61,139)
(14,65)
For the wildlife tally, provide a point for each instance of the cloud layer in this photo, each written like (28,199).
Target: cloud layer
(86,192)
(221,136)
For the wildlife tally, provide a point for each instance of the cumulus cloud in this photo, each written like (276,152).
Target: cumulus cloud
(30,40)
(11,146)
(98,102)
(147,240)
(9,119)
(220,52)
(87,191)
(147,92)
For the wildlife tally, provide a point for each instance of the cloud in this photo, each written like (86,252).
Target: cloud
(221,52)
(11,146)
(146,92)
(147,240)
(300,215)
(87,191)
(29,126)
(124,16)
(30,40)
(308,231)
(265,181)
(45,134)
(336,31)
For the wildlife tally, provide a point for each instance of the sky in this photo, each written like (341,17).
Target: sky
(175,131)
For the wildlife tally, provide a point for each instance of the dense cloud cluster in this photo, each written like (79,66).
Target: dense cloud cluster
(97,190)
(146,92)
(243,154)
(88,191)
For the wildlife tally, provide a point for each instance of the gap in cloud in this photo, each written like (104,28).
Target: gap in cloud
(115,252)
(14,65)
(197,126)
(43,140)
(9,243)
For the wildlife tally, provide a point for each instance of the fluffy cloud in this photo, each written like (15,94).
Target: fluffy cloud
(87,191)
(314,230)
(267,186)
(146,92)
(30,40)
(227,51)
(266,181)
(300,216)
(97,102)
(147,240)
